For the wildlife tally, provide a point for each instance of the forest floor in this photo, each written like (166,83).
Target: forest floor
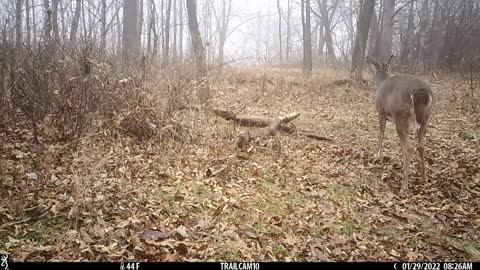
(284,198)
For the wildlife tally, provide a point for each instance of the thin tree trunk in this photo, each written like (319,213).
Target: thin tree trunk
(422,36)
(175,29)
(162,24)
(166,48)
(327,23)
(223,20)
(56,31)
(387,30)
(180,42)
(363,27)
(130,35)
(280,30)
(350,24)
(140,24)
(437,38)
(378,35)
(48,23)
(118,27)
(34,23)
(27,22)
(321,39)
(197,43)
(289,15)
(64,23)
(155,31)
(150,27)
(307,39)
(104,26)
(75,21)
(18,23)
(373,35)
(408,39)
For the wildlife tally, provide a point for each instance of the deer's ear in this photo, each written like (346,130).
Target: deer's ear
(390,60)
(373,63)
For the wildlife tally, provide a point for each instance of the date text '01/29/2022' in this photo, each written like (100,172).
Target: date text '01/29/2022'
(434,266)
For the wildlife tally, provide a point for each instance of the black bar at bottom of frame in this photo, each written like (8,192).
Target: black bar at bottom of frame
(242,265)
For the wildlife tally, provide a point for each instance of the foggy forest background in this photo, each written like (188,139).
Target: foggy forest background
(151,130)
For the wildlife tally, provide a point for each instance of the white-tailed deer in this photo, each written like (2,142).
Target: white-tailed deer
(402,99)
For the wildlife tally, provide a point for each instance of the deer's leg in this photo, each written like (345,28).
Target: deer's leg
(402,130)
(421,131)
(382,119)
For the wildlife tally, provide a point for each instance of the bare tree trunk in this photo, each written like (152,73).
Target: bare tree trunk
(84,21)
(436,33)
(422,36)
(175,29)
(223,20)
(387,30)
(118,26)
(56,32)
(46,5)
(363,27)
(103,44)
(373,35)
(18,23)
(27,21)
(75,21)
(63,21)
(150,26)
(350,24)
(130,34)
(196,37)
(279,8)
(87,24)
(408,39)
(327,14)
(34,23)
(48,24)
(162,24)
(140,24)
(289,16)
(321,39)
(155,31)
(180,42)
(307,39)
(166,47)
(378,35)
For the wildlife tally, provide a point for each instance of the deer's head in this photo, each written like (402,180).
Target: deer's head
(381,69)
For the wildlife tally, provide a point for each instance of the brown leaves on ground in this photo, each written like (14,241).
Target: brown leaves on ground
(285,198)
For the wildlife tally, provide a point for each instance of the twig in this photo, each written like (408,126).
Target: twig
(16,222)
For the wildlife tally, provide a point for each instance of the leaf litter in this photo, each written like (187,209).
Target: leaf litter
(286,198)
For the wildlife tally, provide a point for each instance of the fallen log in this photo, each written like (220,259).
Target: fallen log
(253,121)
(247,137)
(270,125)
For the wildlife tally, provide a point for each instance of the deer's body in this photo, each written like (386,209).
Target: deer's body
(402,99)
(403,96)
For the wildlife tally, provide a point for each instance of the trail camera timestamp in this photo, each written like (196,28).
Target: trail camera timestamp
(435,266)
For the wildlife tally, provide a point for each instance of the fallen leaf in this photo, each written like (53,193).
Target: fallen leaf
(203,223)
(182,231)
(182,249)
(32,176)
(153,235)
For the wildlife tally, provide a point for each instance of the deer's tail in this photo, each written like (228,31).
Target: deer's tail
(422,100)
